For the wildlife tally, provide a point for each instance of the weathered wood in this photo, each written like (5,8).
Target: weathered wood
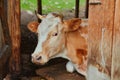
(77,8)
(3,17)
(101,18)
(1,36)
(5,41)
(116,44)
(14,28)
(4,57)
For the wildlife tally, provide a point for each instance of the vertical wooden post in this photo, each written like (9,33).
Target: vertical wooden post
(14,28)
(5,45)
(87,8)
(116,44)
(39,8)
(77,8)
(101,22)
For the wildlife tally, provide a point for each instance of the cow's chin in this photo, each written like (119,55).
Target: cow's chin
(39,62)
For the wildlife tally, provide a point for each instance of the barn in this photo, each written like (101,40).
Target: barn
(103,41)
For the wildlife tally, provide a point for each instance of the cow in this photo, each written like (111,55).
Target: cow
(61,38)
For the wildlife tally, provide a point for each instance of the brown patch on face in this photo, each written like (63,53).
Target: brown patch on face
(81,54)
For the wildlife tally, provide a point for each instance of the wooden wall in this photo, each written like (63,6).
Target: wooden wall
(1,35)
(14,29)
(10,26)
(104,40)
(116,44)
(5,40)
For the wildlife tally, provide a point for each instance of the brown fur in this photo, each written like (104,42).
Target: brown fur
(77,45)
(32,26)
(72,24)
(81,54)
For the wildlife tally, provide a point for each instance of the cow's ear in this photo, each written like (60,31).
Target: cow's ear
(32,26)
(72,24)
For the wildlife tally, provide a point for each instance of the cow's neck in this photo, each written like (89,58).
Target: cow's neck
(75,42)
(62,54)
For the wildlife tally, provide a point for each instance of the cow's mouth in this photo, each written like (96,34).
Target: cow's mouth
(39,63)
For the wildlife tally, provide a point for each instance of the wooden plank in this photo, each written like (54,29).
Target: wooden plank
(1,35)
(5,48)
(3,13)
(14,28)
(101,18)
(116,44)
(4,57)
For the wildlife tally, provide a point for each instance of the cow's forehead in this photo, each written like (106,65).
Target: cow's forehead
(48,23)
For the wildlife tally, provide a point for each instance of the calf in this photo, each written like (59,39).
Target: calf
(61,38)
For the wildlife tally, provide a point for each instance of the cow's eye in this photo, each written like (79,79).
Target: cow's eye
(55,34)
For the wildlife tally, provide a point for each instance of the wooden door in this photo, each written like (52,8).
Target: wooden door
(115,71)
(104,40)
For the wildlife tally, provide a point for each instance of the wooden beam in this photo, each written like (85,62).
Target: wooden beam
(14,28)
(116,44)
(5,46)
(77,8)
(101,22)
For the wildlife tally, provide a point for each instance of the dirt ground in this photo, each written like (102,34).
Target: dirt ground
(54,69)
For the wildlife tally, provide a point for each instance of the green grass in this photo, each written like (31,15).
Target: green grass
(50,5)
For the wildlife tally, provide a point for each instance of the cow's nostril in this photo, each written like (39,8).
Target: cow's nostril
(39,58)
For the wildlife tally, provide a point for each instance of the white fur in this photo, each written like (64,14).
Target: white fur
(70,67)
(43,29)
(94,74)
(62,54)
(84,35)
(79,70)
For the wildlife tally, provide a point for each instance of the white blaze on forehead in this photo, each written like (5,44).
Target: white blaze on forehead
(44,28)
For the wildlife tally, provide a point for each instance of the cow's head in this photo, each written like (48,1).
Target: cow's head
(51,36)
